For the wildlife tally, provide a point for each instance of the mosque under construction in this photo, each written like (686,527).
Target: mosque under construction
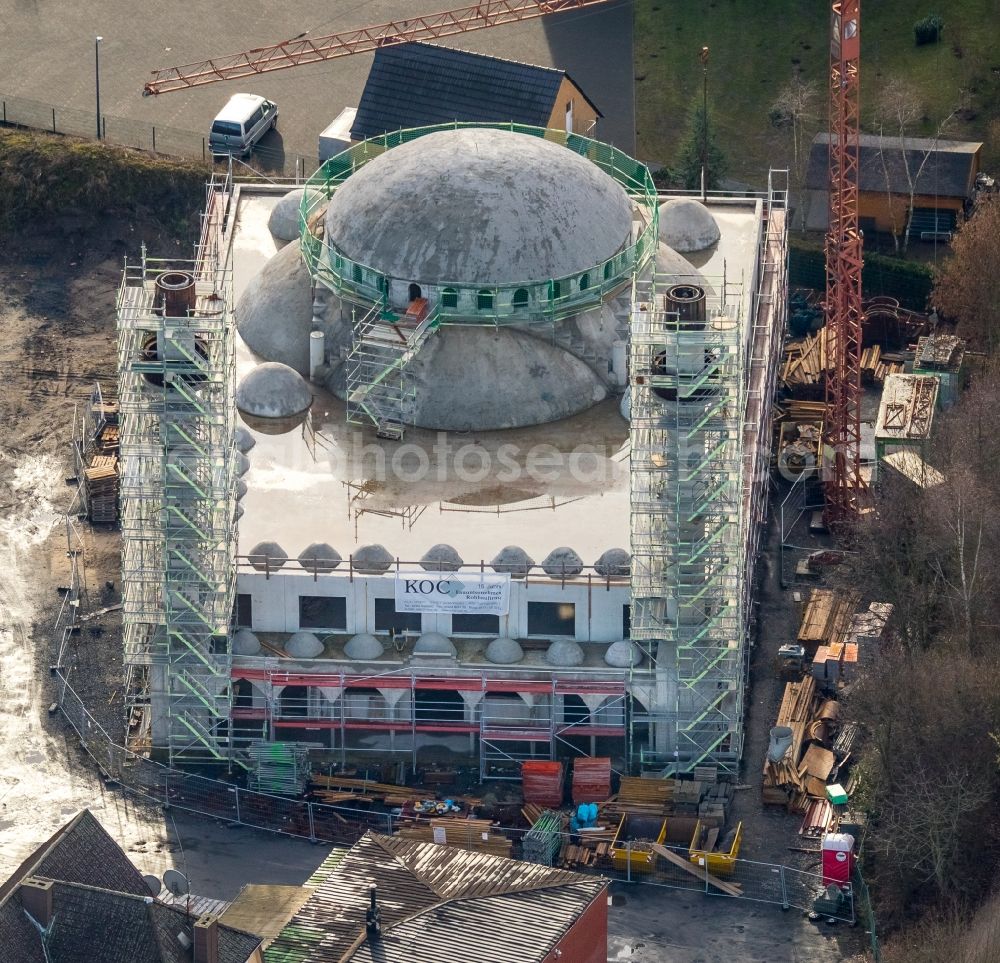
(461,446)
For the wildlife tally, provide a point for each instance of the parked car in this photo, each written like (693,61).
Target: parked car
(238,127)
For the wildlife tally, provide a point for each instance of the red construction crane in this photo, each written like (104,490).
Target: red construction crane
(306,50)
(844,485)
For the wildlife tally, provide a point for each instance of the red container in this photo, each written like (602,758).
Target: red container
(838,858)
(542,782)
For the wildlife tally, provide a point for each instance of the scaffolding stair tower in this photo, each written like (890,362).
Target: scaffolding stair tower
(687,397)
(176,382)
(379,393)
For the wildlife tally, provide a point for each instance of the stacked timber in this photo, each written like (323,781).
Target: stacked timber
(801,775)
(334,789)
(643,797)
(542,782)
(591,779)
(477,835)
(827,617)
(876,365)
(806,360)
(100,481)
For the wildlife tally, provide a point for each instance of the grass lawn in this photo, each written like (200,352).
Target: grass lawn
(755,47)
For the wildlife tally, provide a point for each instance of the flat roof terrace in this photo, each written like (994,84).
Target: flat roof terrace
(560,484)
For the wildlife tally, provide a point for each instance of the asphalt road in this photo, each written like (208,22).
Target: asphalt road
(47,54)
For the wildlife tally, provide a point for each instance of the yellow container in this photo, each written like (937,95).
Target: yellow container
(719,863)
(630,850)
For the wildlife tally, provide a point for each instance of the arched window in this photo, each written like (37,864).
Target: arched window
(607,271)
(415,292)
(484,300)
(584,282)
(520,299)
(556,290)
(357,274)
(449,298)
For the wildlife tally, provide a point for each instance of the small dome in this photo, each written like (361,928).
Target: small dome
(441,558)
(504,651)
(484,206)
(614,563)
(513,559)
(267,556)
(372,560)
(623,654)
(319,557)
(273,390)
(284,220)
(562,562)
(303,645)
(434,643)
(244,440)
(245,643)
(564,652)
(242,463)
(364,646)
(241,488)
(687,225)
(274,314)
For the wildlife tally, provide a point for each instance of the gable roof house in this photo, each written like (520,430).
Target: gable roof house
(78,899)
(422,84)
(439,904)
(947,177)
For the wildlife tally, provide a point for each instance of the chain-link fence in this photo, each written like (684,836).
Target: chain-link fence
(268,157)
(627,861)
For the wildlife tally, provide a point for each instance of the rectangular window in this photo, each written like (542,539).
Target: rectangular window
(244,611)
(551,618)
(475,624)
(626,621)
(387,618)
(322,612)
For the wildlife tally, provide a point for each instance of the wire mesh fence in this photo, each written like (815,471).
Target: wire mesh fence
(628,861)
(269,156)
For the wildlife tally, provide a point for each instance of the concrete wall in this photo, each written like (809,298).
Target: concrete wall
(275,602)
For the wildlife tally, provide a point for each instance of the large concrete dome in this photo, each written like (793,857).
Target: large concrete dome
(479,206)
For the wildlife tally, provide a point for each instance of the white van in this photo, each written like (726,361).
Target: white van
(240,124)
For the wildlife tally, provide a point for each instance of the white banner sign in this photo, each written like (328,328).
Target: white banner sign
(467,593)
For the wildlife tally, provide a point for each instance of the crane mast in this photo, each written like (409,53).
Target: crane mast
(844,485)
(309,50)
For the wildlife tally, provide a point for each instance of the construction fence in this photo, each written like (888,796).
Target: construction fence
(343,825)
(269,158)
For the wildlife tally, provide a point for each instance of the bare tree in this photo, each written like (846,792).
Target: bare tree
(967,287)
(797,107)
(897,110)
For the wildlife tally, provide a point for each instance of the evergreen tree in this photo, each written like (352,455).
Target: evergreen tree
(687,171)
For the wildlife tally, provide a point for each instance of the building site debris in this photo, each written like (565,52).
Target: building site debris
(278,767)
(478,835)
(826,617)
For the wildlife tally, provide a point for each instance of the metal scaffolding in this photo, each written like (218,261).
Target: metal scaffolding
(688,396)
(176,369)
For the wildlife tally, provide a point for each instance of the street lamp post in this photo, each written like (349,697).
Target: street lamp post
(703,57)
(97,81)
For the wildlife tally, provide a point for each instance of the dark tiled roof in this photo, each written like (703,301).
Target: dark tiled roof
(419,84)
(949,170)
(81,852)
(437,905)
(92,925)
(18,933)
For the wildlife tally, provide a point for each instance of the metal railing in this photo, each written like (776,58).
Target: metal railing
(217,799)
(533,300)
(154,138)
